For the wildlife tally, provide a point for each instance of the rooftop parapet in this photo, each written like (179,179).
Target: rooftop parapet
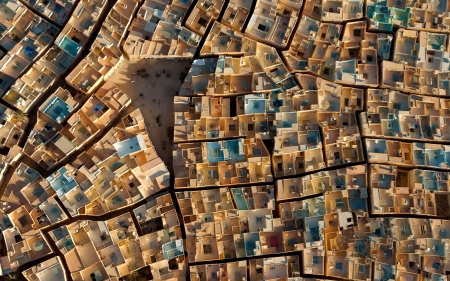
(222,40)
(415,80)
(392,114)
(231,76)
(322,182)
(333,11)
(408,154)
(397,190)
(226,162)
(236,14)
(273,22)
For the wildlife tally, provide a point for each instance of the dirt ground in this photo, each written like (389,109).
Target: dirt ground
(158,87)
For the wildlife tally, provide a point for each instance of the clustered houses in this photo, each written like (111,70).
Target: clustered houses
(11,132)
(204,13)
(106,250)
(50,269)
(428,15)
(420,64)
(25,36)
(273,22)
(50,141)
(11,129)
(157,32)
(261,71)
(226,162)
(105,52)
(97,182)
(408,154)
(222,40)
(321,182)
(311,138)
(285,267)
(28,205)
(307,109)
(103,249)
(409,191)
(47,68)
(236,14)
(301,118)
(316,48)
(342,241)
(395,114)
(334,11)
(121,169)
(57,11)
(310,43)
(351,60)
(232,223)
(329,225)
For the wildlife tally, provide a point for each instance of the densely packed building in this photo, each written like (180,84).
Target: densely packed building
(310,140)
